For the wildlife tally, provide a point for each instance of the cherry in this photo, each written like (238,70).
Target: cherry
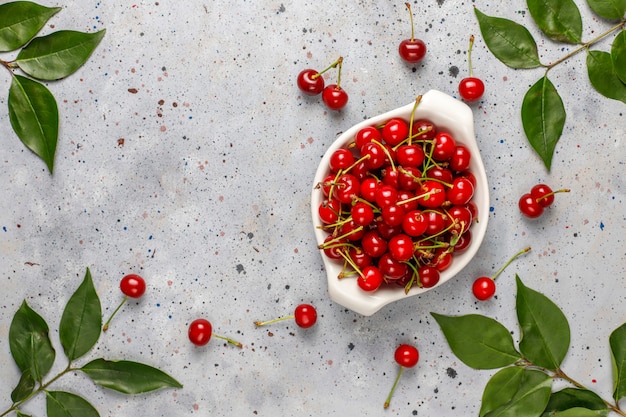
(310,82)
(544,195)
(362,213)
(305,316)
(391,268)
(366,135)
(341,159)
(412,50)
(333,95)
(370,279)
(461,192)
(395,131)
(410,155)
(329,210)
(444,147)
(485,287)
(460,160)
(373,244)
(200,332)
(428,276)
(414,223)
(131,285)
(471,88)
(406,356)
(529,206)
(401,247)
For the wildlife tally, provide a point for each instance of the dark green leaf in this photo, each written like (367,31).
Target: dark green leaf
(34,117)
(24,388)
(19,414)
(516,392)
(66,404)
(609,9)
(618,55)
(30,343)
(543,118)
(545,334)
(478,341)
(128,377)
(20,21)
(617,342)
(603,77)
(59,54)
(568,399)
(559,19)
(510,42)
(81,322)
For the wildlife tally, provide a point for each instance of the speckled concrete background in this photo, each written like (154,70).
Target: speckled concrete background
(186,154)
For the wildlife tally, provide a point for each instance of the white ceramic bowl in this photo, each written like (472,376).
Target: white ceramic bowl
(448,114)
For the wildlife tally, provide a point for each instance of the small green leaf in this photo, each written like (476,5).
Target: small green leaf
(609,9)
(545,334)
(66,404)
(543,118)
(618,55)
(478,341)
(24,388)
(578,412)
(19,414)
(81,322)
(603,77)
(34,117)
(30,343)
(57,55)
(510,42)
(568,399)
(128,377)
(558,19)
(516,392)
(617,342)
(20,21)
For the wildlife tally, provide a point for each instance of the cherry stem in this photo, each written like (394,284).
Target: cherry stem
(393,388)
(263,323)
(564,190)
(408,6)
(106,325)
(229,340)
(417,102)
(333,65)
(339,62)
(469,55)
(338,238)
(509,262)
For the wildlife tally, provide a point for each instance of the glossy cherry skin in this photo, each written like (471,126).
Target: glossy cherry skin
(371,279)
(406,356)
(401,247)
(540,193)
(133,286)
(484,288)
(471,88)
(429,276)
(310,82)
(334,97)
(529,206)
(305,315)
(412,50)
(200,332)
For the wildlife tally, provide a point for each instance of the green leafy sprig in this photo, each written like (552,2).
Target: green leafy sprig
(543,112)
(79,330)
(33,110)
(523,385)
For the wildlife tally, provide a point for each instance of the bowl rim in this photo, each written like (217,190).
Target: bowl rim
(448,114)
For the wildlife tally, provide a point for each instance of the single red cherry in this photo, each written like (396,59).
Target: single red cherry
(310,82)
(485,287)
(333,95)
(412,50)
(544,195)
(428,276)
(131,285)
(200,332)
(406,356)
(529,206)
(305,316)
(471,88)
(370,279)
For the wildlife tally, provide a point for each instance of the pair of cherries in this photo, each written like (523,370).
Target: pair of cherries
(311,83)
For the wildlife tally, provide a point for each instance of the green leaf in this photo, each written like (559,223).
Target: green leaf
(568,399)
(510,42)
(516,392)
(545,334)
(34,117)
(618,55)
(57,55)
(81,322)
(30,343)
(558,19)
(128,377)
(20,21)
(617,342)
(609,9)
(24,388)
(578,412)
(19,414)
(543,118)
(66,404)
(603,77)
(478,341)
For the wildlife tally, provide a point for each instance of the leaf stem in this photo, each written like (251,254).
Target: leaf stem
(586,44)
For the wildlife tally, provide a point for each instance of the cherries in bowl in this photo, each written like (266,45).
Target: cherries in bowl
(400,203)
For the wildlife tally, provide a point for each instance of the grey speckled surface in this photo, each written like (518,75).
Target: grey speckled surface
(208,199)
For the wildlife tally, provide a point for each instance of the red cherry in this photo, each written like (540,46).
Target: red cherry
(346,188)
(333,247)
(329,211)
(444,146)
(414,223)
(386,195)
(200,332)
(305,316)
(341,159)
(373,244)
(433,194)
(369,187)
(425,128)
(133,285)
(359,257)
(529,206)
(461,192)
(544,195)
(460,160)
(463,242)
(374,155)
(334,97)
(370,279)
(484,288)
(310,82)
(428,276)
(401,247)
(410,155)
(362,214)
(406,356)
(412,50)
(471,88)
(395,131)
(366,135)
(391,268)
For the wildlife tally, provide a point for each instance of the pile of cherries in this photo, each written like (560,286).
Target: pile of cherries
(398,204)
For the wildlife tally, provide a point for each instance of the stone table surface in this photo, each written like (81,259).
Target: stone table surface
(186,155)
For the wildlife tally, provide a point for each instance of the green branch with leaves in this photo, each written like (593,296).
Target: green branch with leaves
(33,110)
(543,112)
(79,330)
(524,385)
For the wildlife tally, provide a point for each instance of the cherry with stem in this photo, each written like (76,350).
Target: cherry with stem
(333,95)
(412,50)
(200,332)
(305,316)
(471,88)
(131,285)
(406,356)
(485,287)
